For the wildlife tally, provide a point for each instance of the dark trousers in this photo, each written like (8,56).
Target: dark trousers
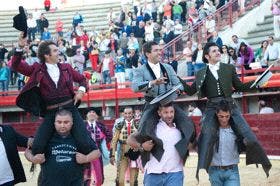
(45,131)
(10,183)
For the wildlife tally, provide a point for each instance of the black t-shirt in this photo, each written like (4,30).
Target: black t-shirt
(61,168)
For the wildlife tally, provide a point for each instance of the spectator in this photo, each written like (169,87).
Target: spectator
(47,5)
(197,58)
(126,28)
(133,42)
(93,54)
(46,35)
(43,23)
(183,4)
(215,38)
(177,10)
(154,11)
(275,8)
(246,54)
(79,60)
(4,77)
(77,19)
(259,54)
(3,51)
(264,109)
(187,52)
(123,43)
(37,14)
(131,62)
(120,68)
(11,169)
(139,32)
(167,10)
(236,43)
(210,24)
(107,68)
(31,27)
(149,31)
(21,81)
(225,58)
(161,12)
(193,110)
(113,45)
(272,54)
(59,27)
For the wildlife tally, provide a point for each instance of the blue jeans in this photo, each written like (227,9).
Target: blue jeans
(4,85)
(220,177)
(164,179)
(190,68)
(106,77)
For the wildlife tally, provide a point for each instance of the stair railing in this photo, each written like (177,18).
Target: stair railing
(224,16)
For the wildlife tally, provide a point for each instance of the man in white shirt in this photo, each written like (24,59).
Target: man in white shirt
(272,53)
(168,169)
(31,27)
(11,169)
(264,109)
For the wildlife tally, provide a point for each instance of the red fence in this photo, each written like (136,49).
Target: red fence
(266,127)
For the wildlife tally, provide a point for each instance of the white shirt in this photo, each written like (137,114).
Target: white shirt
(266,110)
(170,160)
(214,69)
(53,71)
(272,52)
(31,23)
(106,62)
(6,173)
(155,68)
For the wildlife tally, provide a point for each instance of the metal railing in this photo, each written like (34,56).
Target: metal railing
(224,16)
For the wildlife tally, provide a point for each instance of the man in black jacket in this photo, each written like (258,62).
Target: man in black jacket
(11,169)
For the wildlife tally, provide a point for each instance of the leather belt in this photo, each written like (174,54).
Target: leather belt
(218,99)
(58,105)
(225,167)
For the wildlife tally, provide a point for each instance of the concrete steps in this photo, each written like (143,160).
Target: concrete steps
(93,15)
(261,32)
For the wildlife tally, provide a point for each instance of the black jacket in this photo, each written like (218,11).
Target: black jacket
(11,139)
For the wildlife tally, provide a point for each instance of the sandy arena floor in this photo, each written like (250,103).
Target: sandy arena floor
(250,175)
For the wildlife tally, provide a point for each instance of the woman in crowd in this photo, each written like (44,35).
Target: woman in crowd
(246,54)
(225,57)
(259,55)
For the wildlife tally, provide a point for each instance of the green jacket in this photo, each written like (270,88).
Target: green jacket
(228,79)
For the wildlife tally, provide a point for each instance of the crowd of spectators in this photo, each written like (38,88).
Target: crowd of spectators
(113,54)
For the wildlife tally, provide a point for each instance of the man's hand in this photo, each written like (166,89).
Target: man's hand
(78,96)
(30,142)
(37,159)
(112,160)
(22,42)
(148,145)
(159,81)
(81,158)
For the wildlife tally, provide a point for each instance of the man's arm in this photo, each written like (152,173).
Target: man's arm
(114,145)
(238,85)
(132,141)
(93,155)
(190,90)
(36,159)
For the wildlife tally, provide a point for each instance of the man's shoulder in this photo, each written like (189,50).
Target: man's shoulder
(119,125)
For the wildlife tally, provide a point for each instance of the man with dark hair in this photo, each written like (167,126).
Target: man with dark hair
(228,145)
(49,89)
(168,169)
(216,82)
(122,130)
(61,164)
(154,79)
